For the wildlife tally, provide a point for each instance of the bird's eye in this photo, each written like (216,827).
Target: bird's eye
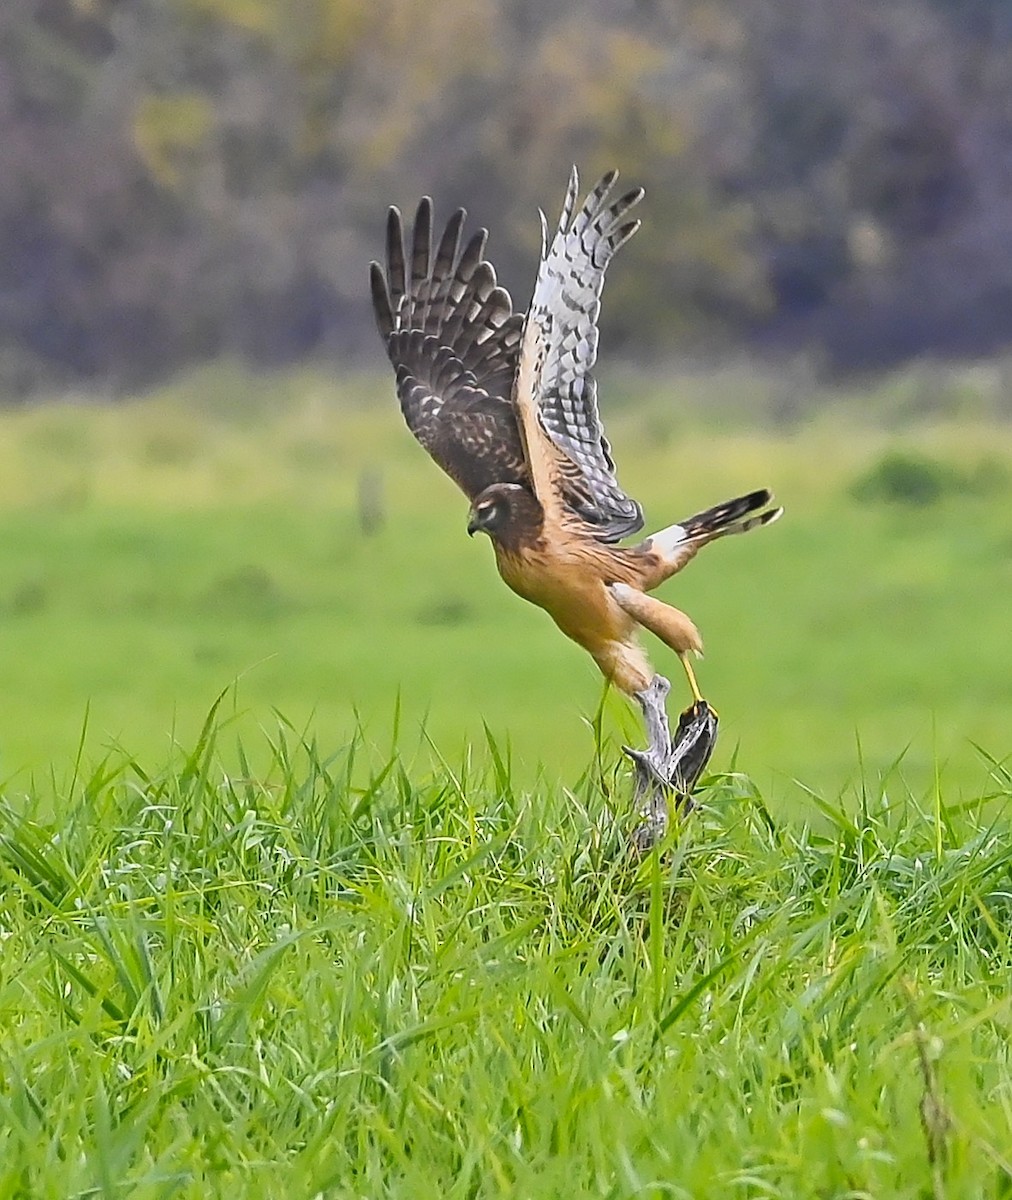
(485,509)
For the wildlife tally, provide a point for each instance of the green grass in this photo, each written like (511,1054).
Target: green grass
(340,953)
(153,552)
(337,977)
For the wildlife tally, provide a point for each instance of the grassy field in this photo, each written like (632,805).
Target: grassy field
(324,980)
(153,553)
(339,939)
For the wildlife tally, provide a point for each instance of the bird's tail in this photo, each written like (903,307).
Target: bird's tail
(674,546)
(733,516)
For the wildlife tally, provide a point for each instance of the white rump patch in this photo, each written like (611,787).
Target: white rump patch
(667,541)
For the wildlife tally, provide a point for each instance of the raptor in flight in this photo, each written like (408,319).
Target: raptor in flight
(506,404)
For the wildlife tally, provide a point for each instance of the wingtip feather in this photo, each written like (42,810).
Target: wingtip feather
(421,239)
(395,252)
(569,204)
(381,305)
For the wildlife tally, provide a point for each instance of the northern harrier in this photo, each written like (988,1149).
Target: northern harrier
(507,406)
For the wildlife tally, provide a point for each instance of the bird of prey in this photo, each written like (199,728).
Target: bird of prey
(507,405)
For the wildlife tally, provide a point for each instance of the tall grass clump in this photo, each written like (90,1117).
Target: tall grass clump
(336,978)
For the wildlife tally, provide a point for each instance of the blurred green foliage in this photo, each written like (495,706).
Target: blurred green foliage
(903,478)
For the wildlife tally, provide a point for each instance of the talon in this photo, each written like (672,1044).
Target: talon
(697,713)
(697,695)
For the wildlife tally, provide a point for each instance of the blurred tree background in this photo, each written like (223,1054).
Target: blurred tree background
(182,179)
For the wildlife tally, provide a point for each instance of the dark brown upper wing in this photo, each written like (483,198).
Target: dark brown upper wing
(453,339)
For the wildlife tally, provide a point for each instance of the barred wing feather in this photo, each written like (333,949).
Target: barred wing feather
(565,307)
(453,339)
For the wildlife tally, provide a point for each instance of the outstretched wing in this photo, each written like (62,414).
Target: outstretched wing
(453,339)
(559,351)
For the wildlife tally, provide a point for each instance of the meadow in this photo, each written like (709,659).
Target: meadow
(153,553)
(317,980)
(314,873)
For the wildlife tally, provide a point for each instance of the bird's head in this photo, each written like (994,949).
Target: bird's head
(505,511)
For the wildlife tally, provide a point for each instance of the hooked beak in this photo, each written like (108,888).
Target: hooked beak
(473,525)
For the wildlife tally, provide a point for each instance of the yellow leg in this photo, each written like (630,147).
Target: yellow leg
(697,695)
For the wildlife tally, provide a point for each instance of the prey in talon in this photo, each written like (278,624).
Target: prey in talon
(506,403)
(672,764)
